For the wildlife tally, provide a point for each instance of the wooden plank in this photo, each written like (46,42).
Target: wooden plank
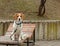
(10,28)
(58,30)
(3,28)
(8,34)
(6,40)
(51,31)
(55,31)
(41,31)
(25,27)
(31,21)
(46,31)
(37,31)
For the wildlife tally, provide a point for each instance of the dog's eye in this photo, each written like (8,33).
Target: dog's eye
(20,16)
(17,16)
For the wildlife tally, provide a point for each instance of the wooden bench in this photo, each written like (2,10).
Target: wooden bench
(28,28)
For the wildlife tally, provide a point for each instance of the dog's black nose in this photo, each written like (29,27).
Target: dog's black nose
(19,19)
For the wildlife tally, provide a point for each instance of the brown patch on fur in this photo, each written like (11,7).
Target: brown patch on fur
(17,15)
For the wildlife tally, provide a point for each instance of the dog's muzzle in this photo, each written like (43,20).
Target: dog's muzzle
(19,19)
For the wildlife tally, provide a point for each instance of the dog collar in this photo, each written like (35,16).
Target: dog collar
(19,23)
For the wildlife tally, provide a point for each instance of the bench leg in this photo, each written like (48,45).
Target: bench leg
(34,37)
(27,41)
(19,45)
(6,45)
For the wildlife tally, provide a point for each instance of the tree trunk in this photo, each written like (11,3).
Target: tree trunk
(42,8)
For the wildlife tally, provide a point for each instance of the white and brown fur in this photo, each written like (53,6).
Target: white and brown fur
(17,26)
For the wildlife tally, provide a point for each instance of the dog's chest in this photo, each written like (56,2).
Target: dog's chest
(18,29)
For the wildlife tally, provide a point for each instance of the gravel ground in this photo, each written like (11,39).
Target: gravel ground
(53,9)
(47,43)
(43,43)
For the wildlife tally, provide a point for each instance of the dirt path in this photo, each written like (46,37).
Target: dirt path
(48,43)
(53,9)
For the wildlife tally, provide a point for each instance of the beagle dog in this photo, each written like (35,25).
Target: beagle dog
(17,26)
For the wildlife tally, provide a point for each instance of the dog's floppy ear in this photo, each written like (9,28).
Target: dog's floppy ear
(15,16)
(18,14)
(22,16)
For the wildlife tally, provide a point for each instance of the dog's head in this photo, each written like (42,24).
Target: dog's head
(18,16)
